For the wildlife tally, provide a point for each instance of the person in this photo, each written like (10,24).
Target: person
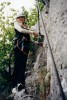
(21,49)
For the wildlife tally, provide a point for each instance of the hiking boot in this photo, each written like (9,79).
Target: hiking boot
(20,87)
(14,90)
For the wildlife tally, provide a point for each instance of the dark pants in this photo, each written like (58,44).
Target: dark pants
(20,67)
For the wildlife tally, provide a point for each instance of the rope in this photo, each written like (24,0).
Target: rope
(38,21)
(52,58)
(19,48)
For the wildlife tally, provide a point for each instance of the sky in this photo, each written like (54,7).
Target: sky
(17,4)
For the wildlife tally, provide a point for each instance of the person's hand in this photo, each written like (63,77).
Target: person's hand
(35,34)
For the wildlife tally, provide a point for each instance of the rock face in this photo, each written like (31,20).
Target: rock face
(56,26)
(57,34)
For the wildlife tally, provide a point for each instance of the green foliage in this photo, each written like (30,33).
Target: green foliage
(41,5)
(6,35)
(25,12)
(31,18)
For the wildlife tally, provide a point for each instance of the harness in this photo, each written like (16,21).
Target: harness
(22,42)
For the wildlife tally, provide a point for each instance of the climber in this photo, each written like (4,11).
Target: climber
(21,49)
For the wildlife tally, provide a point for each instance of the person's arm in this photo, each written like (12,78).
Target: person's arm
(22,30)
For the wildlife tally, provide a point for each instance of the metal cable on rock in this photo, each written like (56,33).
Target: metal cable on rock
(52,57)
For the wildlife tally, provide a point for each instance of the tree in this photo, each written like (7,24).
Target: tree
(6,35)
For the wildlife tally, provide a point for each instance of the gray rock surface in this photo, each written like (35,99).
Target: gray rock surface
(56,26)
(57,34)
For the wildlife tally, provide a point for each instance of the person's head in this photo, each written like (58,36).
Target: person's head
(20,18)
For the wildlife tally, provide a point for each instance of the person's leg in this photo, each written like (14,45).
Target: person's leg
(16,66)
(21,70)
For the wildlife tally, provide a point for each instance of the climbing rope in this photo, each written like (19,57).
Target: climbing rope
(38,21)
(41,37)
(17,45)
(52,57)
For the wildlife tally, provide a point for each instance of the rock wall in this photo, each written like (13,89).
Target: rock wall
(56,26)
(57,34)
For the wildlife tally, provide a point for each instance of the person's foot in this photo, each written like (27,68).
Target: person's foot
(20,87)
(17,88)
(14,90)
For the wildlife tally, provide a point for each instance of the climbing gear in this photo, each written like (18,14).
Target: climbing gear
(41,37)
(20,15)
(22,45)
(52,57)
